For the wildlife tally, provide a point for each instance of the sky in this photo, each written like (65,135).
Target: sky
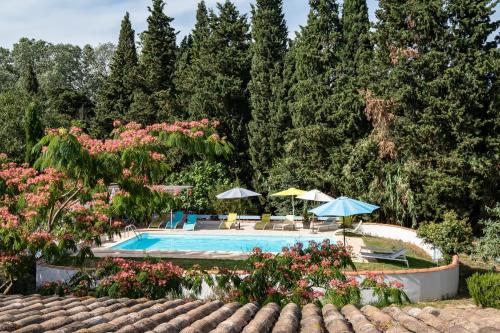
(98,21)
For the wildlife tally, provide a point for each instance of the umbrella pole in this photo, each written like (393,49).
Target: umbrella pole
(343,226)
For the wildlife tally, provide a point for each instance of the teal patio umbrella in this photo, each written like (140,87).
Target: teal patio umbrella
(344,206)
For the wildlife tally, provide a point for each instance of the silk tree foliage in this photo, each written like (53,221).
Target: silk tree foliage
(269,34)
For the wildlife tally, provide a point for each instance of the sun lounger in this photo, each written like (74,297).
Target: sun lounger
(231,220)
(264,222)
(176,220)
(397,255)
(356,230)
(288,223)
(329,224)
(190,224)
(157,221)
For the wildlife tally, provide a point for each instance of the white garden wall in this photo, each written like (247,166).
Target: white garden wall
(420,284)
(399,233)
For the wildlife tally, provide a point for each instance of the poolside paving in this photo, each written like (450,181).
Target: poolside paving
(211,228)
(36,314)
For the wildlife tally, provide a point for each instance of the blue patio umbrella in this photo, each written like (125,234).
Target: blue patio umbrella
(344,206)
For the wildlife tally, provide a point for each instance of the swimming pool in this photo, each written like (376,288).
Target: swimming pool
(223,243)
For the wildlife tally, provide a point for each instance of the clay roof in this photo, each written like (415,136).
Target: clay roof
(37,313)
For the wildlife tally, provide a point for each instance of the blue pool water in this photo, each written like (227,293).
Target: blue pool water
(225,243)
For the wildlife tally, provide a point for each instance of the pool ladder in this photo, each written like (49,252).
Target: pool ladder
(132,228)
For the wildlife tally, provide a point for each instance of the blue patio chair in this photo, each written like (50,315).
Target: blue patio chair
(176,220)
(191,222)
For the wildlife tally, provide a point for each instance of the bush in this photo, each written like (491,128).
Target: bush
(205,177)
(133,279)
(451,236)
(488,246)
(485,289)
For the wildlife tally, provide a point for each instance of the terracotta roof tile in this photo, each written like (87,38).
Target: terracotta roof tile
(35,313)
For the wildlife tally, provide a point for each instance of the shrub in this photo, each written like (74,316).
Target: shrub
(341,293)
(386,293)
(485,289)
(488,246)
(451,236)
(205,177)
(133,279)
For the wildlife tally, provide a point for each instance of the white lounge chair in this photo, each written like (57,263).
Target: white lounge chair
(397,255)
(329,224)
(289,222)
(356,230)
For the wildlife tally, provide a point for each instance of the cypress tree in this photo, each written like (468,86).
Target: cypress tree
(158,49)
(221,73)
(316,53)
(116,95)
(347,114)
(154,98)
(30,81)
(472,101)
(312,63)
(189,69)
(33,129)
(269,34)
(410,139)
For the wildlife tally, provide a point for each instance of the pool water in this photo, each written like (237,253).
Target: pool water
(224,243)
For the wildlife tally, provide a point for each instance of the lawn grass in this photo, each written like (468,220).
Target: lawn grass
(417,258)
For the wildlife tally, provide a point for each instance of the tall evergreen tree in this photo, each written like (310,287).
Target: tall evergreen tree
(472,100)
(33,129)
(117,93)
(189,67)
(269,34)
(154,98)
(158,49)
(29,80)
(410,140)
(312,62)
(316,54)
(347,114)
(219,79)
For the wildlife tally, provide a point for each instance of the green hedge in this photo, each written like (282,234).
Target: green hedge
(485,289)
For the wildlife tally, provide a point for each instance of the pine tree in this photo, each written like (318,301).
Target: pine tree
(33,129)
(30,81)
(269,34)
(116,95)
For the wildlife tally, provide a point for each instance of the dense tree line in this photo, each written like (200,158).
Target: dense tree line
(403,112)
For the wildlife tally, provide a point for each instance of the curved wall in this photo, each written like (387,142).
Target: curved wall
(399,233)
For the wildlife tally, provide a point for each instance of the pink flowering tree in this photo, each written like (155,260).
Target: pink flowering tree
(61,205)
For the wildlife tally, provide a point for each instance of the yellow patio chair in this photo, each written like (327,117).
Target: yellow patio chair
(231,220)
(264,222)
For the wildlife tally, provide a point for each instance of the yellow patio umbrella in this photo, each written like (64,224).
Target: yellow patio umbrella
(291,192)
